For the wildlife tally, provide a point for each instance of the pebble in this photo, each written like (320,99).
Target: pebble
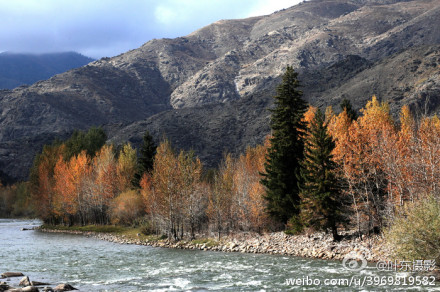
(317,245)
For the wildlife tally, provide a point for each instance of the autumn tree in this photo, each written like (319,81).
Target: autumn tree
(286,150)
(126,168)
(344,154)
(42,181)
(321,201)
(6,201)
(171,191)
(190,172)
(166,186)
(364,148)
(378,134)
(104,186)
(426,157)
(70,178)
(64,201)
(309,115)
(248,191)
(151,203)
(219,209)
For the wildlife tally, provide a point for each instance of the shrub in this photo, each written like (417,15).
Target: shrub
(415,233)
(126,208)
(294,226)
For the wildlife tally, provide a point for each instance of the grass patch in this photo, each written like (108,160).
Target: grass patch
(155,237)
(207,241)
(127,232)
(89,228)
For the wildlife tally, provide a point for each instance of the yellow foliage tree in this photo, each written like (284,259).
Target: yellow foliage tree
(126,168)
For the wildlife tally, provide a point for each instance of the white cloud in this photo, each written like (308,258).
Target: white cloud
(108,27)
(165,15)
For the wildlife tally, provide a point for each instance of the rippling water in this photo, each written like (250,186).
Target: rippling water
(93,265)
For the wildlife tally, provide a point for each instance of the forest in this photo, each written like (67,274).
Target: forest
(363,172)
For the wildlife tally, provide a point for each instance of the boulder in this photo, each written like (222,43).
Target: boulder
(11,275)
(36,283)
(4,286)
(64,287)
(25,282)
(25,289)
(29,289)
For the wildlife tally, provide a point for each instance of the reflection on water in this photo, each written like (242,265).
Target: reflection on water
(94,265)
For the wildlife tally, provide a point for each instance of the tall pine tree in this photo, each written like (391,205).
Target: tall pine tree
(286,150)
(146,157)
(321,204)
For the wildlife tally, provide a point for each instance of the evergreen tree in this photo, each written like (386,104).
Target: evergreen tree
(346,105)
(95,138)
(321,204)
(286,150)
(91,141)
(146,157)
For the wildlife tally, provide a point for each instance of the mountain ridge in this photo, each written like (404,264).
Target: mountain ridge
(225,73)
(17,69)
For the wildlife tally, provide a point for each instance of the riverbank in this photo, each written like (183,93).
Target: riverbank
(317,245)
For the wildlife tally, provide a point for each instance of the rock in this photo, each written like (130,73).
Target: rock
(29,289)
(232,245)
(436,274)
(25,289)
(25,282)
(330,248)
(11,275)
(64,287)
(4,286)
(36,283)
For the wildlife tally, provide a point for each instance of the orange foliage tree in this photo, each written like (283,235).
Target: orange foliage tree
(236,201)
(70,189)
(365,152)
(42,182)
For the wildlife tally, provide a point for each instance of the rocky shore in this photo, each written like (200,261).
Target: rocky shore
(317,245)
(26,285)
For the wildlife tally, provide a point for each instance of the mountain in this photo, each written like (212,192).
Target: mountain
(210,89)
(19,69)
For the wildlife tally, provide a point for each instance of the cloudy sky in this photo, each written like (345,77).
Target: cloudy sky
(104,28)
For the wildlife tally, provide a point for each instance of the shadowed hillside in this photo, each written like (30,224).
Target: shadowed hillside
(19,69)
(210,89)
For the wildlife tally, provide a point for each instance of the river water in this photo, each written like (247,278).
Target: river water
(94,265)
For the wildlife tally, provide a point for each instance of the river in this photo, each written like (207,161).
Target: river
(94,265)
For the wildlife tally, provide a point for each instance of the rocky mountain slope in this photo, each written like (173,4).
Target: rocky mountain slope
(209,90)
(18,69)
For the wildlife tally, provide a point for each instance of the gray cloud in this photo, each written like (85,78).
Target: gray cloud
(101,28)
